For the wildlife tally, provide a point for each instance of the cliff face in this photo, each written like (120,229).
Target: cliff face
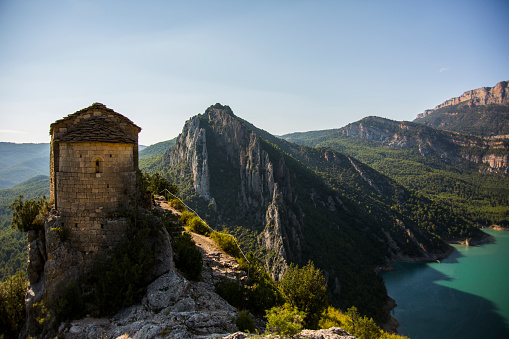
(450,146)
(261,185)
(498,95)
(290,204)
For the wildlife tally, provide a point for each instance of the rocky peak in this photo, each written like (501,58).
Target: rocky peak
(232,169)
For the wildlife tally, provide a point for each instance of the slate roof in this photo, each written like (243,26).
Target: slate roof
(84,126)
(97,129)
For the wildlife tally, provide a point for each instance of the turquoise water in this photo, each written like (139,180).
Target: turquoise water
(464,296)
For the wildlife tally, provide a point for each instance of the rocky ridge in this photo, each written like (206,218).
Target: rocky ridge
(263,183)
(494,152)
(499,95)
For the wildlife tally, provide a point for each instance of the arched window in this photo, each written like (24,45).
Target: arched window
(98,165)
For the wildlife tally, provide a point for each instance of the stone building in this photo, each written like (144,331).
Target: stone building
(93,164)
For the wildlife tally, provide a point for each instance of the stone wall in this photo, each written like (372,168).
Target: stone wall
(93,181)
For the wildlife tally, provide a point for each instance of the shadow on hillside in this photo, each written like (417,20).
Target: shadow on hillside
(427,309)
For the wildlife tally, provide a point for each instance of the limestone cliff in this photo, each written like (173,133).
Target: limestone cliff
(238,159)
(499,95)
(451,146)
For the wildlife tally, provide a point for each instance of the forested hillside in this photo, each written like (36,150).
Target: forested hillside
(485,121)
(431,164)
(13,249)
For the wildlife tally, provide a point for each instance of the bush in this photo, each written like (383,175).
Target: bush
(69,303)
(227,243)
(245,323)
(331,317)
(12,304)
(121,281)
(306,290)
(361,327)
(177,205)
(196,225)
(185,216)
(188,257)
(63,233)
(28,215)
(284,320)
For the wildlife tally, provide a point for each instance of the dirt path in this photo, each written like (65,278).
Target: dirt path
(217,264)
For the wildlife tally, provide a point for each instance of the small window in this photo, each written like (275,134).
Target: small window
(98,165)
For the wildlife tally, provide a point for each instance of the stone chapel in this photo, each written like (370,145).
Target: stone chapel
(93,165)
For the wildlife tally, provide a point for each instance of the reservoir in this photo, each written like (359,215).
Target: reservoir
(463,296)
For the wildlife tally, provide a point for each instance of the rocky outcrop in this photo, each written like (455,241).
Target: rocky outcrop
(217,150)
(330,333)
(173,307)
(191,148)
(499,95)
(54,264)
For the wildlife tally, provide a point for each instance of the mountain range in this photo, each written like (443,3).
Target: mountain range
(351,199)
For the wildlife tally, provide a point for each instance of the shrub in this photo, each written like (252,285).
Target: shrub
(28,215)
(12,304)
(69,303)
(361,327)
(331,317)
(306,290)
(226,242)
(196,225)
(185,216)
(63,233)
(234,293)
(244,322)
(177,205)
(120,281)
(188,257)
(284,320)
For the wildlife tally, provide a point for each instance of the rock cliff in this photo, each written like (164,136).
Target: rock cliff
(499,95)
(290,204)
(450,146)
(217,151)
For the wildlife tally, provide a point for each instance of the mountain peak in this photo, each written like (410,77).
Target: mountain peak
(219,108)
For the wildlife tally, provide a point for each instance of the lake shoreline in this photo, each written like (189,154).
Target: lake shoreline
(486,239)
(392,324)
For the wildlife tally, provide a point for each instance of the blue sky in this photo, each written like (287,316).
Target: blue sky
(285,66)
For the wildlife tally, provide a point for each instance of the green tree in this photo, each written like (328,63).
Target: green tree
(12,304)
(28,215)
(306,290)
(361,327)
(157,184)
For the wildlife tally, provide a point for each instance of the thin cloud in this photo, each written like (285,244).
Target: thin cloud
(444,69)
(11,131)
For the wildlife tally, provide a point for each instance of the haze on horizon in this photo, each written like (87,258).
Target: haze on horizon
(285,66)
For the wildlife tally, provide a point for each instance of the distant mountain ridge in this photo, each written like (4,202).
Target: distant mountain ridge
(20,162)
(498,95)
(482,112)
